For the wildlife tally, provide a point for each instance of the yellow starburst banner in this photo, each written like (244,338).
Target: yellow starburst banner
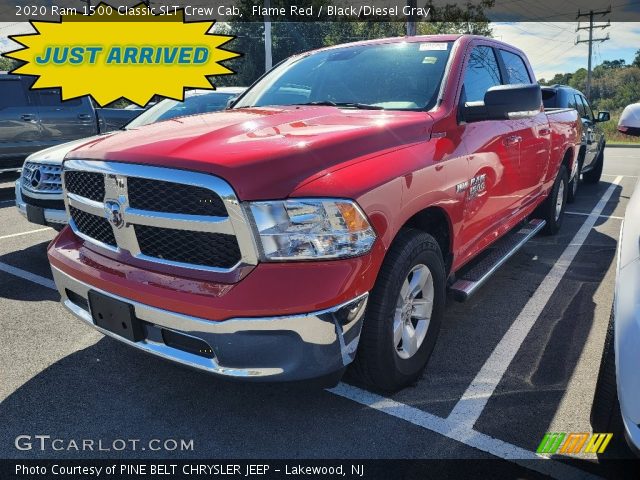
(110,55)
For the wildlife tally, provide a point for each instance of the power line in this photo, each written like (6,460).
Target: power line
(591,14)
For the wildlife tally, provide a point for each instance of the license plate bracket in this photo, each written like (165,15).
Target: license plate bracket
(35,214)
(115,316)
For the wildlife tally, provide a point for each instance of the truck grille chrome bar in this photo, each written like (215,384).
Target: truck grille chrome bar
(159,215)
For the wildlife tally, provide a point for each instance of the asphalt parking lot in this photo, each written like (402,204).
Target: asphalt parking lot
(517,360)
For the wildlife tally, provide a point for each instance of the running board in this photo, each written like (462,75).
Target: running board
(471,278)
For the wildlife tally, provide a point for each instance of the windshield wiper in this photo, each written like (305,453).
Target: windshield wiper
(360,106)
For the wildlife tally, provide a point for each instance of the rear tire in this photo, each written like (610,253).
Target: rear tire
(605,411)
(552,209)
(594,175)
(389,357)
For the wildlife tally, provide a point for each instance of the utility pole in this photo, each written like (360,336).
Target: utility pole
(268,58)
(411,19)
(591,40)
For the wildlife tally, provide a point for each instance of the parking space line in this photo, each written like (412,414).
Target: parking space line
(588,214)
(475,398)
(32,277)
(460,433)
(24,233)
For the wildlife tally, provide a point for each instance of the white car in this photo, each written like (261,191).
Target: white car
(616,406)
(39,189)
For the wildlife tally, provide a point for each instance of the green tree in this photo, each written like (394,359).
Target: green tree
(7,64)
(636,61)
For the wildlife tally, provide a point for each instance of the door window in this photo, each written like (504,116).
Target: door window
(482,73)
(580,107)
(50,97)
(587,109)
(516,69)
(12,94)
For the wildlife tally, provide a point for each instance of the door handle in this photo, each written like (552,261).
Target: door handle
(84,116)
(28,117)
(511,140)
(544,131)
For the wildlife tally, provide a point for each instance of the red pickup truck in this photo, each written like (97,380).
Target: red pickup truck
(319,221)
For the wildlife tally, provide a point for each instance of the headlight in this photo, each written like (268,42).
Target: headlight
(305,229)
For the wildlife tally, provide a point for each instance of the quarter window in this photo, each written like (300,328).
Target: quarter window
(516,68)
(482,73)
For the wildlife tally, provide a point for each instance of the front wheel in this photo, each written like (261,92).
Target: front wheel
(606,416)
(404,314)
(594,175)
(552,209)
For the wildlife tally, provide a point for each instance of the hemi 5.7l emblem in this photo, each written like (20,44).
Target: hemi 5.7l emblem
(113,211)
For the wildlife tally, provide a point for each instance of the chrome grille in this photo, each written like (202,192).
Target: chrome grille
(171,217)
(42,178)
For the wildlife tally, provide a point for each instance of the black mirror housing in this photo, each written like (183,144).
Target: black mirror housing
(604,116)
(504,101)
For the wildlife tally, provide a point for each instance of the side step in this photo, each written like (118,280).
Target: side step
(472,277)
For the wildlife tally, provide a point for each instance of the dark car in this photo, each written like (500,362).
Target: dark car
(591,157)
(32,120)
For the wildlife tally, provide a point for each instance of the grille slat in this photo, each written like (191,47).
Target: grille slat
(86,184)
(169,197)
(93,226)
(200,248)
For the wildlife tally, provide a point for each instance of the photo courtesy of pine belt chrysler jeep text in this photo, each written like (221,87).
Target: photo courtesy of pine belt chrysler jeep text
(320,220)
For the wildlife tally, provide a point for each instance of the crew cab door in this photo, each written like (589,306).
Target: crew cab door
(19,127)
(531,133)
(490,191)
(590,129)
(64,121)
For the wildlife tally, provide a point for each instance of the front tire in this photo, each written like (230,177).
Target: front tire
(594,175)
(552,209)
(606,416)
(404,314)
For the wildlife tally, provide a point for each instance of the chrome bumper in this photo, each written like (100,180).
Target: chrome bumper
(285,348)
(50,215)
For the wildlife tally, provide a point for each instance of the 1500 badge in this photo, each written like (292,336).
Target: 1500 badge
(476,185)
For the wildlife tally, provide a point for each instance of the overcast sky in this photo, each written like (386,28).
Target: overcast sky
(550,46)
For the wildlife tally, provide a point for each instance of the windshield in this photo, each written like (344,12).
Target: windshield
(192,105)
(392,76)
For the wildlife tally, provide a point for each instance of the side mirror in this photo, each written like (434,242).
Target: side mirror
(603,117)
(505,102)
(231,102)
(629,123)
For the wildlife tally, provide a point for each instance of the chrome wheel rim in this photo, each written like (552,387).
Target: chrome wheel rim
(559,200)
(413,311)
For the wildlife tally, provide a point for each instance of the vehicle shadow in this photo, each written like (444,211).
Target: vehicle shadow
(32,259)
(111,391)
(7,187)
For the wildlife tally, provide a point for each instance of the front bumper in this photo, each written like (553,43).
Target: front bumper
(51,216)
(276,348)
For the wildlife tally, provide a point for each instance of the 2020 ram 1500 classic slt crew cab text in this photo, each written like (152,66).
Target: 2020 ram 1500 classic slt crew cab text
(319,221)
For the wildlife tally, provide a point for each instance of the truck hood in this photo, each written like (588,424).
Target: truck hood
(54,155)
(264,152)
